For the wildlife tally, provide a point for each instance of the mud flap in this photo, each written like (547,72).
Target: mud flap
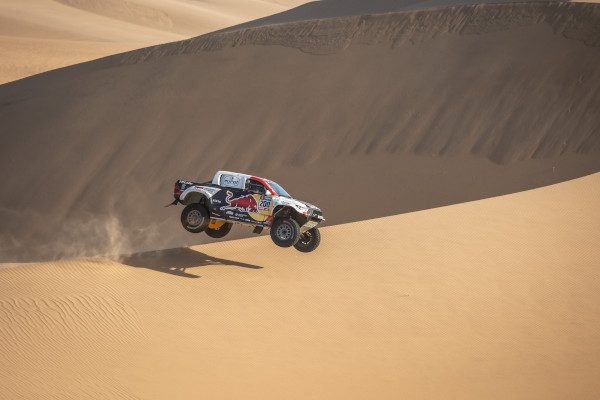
(216,224)
(307,226)
(173,203)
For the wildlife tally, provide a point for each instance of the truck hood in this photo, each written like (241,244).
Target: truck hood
(297,204)
(309,205)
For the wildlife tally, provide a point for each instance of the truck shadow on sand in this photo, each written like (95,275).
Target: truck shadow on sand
(177,261)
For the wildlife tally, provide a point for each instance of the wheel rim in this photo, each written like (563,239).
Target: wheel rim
(306,237)
(284,232)
(194,218)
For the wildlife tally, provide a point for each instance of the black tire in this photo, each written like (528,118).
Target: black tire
(220,232)
(308,241)
(195,218)
(285,232)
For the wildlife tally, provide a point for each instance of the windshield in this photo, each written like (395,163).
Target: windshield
(280,191)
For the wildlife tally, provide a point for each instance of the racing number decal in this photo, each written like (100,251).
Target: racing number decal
(265,204)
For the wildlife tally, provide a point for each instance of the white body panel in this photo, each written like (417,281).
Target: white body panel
(285,201)
(230,179)
(204,190)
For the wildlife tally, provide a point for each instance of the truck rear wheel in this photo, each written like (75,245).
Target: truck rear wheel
(308,241)
(285,232)
(219,232)
(195,218)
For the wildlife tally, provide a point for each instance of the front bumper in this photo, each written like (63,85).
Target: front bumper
(314,214)
(314,218)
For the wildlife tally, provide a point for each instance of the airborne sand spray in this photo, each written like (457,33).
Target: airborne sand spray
(101,236)
(94,236)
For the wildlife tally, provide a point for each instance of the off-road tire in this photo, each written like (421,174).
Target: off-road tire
(195,218)
(308,241)
(220,232)
(285,232)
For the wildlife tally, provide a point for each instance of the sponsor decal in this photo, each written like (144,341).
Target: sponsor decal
(245,203)
(256,206)
(231,181)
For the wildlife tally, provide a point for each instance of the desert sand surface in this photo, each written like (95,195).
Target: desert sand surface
(494,299)
(365,116)
(40,35)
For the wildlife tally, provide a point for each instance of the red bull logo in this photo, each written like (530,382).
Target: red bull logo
(245,203)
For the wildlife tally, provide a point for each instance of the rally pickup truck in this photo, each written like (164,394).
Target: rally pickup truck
(212,207)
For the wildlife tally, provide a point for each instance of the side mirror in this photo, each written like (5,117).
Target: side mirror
(268,193)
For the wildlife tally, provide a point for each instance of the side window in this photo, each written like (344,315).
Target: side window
(255,187)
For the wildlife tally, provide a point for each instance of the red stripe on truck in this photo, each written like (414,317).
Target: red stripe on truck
(265,183)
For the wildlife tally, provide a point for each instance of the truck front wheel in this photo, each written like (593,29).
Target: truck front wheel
(285,232)
(308,241)
(195,218)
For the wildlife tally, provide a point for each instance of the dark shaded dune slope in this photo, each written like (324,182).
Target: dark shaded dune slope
(365,116)
(348,8)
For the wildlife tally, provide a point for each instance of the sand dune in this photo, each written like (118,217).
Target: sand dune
(491,299)
(348,8)
(40,35)
(364,116)
(366,108)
